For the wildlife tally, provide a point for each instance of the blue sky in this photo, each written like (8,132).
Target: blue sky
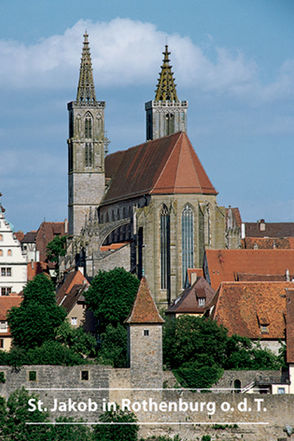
(233,61)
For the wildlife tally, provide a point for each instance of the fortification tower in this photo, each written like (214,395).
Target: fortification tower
(145,340)
(166,114)
(86,144)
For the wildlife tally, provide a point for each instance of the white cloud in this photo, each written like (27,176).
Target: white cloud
(124,52)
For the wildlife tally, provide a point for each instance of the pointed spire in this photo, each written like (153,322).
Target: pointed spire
(144,309)
(86,88)
(166,87)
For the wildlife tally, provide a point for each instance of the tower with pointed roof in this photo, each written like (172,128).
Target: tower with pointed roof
(166,114)
(86,144)
(145,339)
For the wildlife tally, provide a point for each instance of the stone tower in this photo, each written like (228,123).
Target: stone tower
(86,178)
(145,340)
(166,114)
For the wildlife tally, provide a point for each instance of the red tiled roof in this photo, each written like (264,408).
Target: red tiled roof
(75,295)
(113,246)
(70,280)
(272,229)
(163,166)
(290,325)
(242,307)
(267,243)
(7,302)
(144,309)
(224,265)
(187,302)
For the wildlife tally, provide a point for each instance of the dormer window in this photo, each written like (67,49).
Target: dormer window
(264,329)
(201,301)
(264,322)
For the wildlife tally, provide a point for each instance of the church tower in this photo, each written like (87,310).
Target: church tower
(166,114)
(86,178)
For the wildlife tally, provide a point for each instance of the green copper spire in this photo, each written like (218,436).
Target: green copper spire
(86,88)
(166,87)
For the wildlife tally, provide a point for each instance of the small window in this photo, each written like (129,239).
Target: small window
(8,272)
(32,376)
(146,332)
(74,321)
(264,329)
(237,386)
(85,375)
(1,343)
(9,253)
(201,301)
(1,236)
(281,390)
(1,252)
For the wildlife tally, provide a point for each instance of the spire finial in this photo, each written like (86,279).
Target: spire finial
(86,88)
(166,87)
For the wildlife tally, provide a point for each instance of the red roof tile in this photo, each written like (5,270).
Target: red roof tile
(34,268)
(144,309)
(267,243)
(187,302)
(224,265)
(46,232)
(163,166)
(242,307)
(7,302)
(113,246)
(70,280)
(197,271)
(290,325)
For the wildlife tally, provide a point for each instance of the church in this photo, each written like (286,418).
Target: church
(151,208)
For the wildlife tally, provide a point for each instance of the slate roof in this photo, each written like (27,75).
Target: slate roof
(290,325)
(144,309)
(224,265)
(242,307)
(187,302)
(162,166)
(272,229)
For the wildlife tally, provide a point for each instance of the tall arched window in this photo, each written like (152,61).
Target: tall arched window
(89,154)
(164,247)
(88,126)
(187,242)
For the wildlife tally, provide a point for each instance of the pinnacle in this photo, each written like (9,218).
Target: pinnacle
(86,88)
(166,87)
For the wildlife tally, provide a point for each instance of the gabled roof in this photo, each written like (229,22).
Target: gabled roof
(165,165)
(70,280)
(224,265)
(144,309)
(187,302)
(75,295)
(46,232)
(290,325)
(243,307)
(271,229)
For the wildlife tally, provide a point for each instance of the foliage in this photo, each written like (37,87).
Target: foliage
(206,438)
(198,349)
(69,432)
(77,339)
(111,296)
(56,248)
(38,316)
(162,438)
(190,376)
(119,432)
(113,349)
(50,352)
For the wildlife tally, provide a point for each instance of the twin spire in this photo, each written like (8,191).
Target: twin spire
(86,88)
(166,87)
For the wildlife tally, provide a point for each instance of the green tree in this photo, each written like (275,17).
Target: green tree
(77,339)
(56,248)
(38,317)
(113,349)
(117,432)
(111,296)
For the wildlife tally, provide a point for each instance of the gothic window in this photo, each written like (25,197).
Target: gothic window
(164,246)
(207,233)
(88,126)
(170,123)
(187,242)
(89,154)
